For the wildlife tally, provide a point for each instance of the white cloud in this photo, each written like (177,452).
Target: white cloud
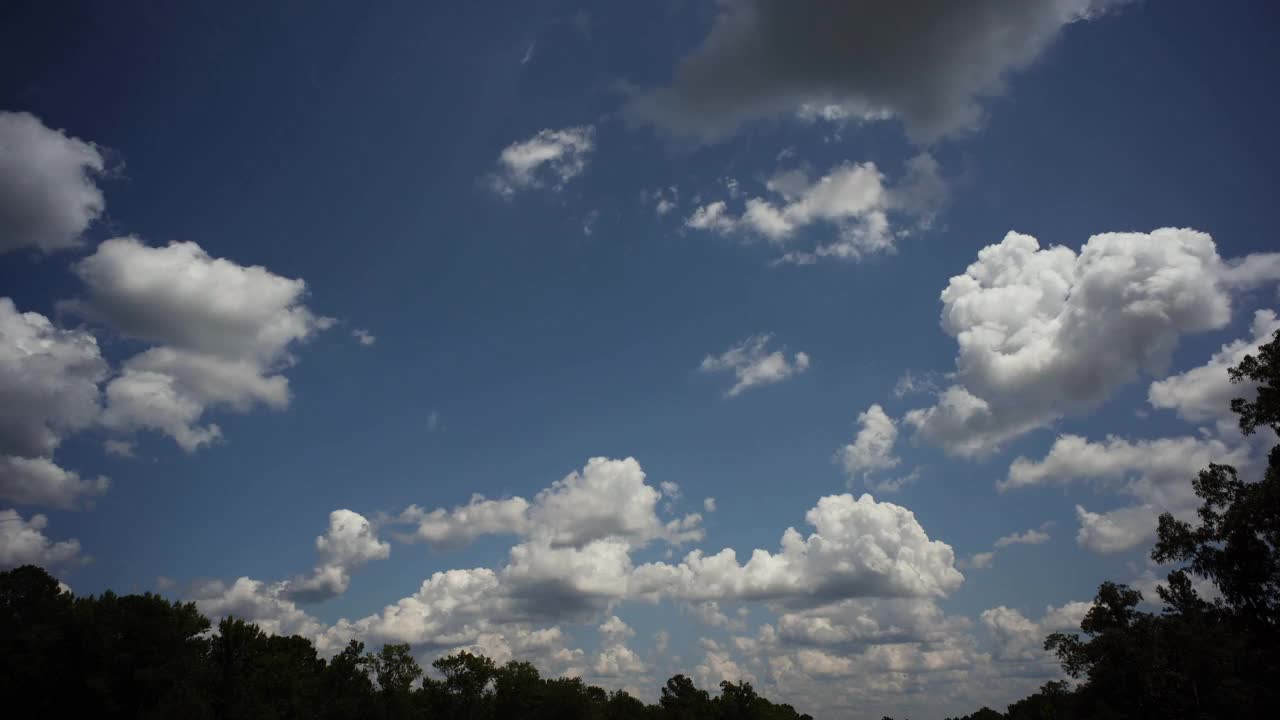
(462,524)
(48,389)
(1048,332)
(364,337)
(713,216)
(48,193)
(857,623)
(258,602)
(980,560)
(48,382)
(1020,640)
(614,630)
(753,365)
(554,582)
(223,334)
(1116,530)
(860,548)
(872,449)
(615,659)
(718,665)
(709,504)
(708,613)
(349,543)
(854,597)
(607,500)
(1017,637)
(549,159)
(180,296)
(926,63)
(1156,473)
(1205,392)
(1026,537)
(39,481)
(852,198)
(23,542)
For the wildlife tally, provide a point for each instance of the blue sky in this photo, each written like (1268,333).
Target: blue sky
(570,232)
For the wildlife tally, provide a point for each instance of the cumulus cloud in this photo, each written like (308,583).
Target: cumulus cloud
(607,499)
(48,190)
(549,159)
(349,543)
(462,524)
(614,630)
(855,596)
(1116,530)
(48,389)
(859,548)
(926,62)
(1157,474)
(23,542)
(258,602)
(615,659)
(48,382)
(1204,393)
(1044,332)
(980,560)
(852,198)
(40,481)
(895,668)
(223,333)
(718,665)
(752,364)
(180,296)
(872,448)
(1020,639)
(854,624)
(364,337)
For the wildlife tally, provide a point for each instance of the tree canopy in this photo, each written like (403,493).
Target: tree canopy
(141,656)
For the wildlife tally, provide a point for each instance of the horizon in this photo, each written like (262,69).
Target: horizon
(841,349)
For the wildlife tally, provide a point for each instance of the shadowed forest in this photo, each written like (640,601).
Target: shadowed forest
(1209,653)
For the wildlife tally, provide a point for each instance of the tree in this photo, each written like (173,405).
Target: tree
(682,700)
(1236,546)
(141,656)
(1264,370)
(516,690)
(396,671)
(346,688)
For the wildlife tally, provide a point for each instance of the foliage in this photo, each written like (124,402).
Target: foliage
(141,656)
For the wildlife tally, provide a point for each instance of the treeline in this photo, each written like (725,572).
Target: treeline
(142,656)
(1196,658)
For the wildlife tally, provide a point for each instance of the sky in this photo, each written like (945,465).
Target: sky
(843,348)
